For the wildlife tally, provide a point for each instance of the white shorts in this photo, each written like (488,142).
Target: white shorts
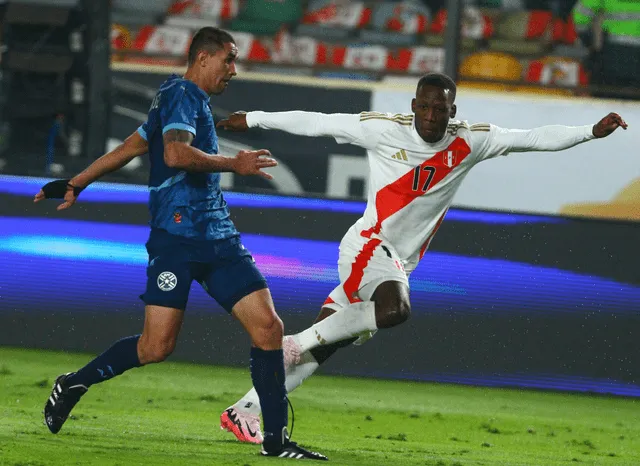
(364,264)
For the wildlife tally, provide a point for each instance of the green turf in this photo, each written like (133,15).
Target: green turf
(167,414)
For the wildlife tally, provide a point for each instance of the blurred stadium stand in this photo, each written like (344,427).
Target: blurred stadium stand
(506,44)
(553,47)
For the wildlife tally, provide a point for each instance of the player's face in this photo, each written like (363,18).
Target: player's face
(220,68)
(432,106)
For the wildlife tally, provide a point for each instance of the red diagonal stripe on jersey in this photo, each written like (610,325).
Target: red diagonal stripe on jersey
(352,283)
(426,244)
(399,194)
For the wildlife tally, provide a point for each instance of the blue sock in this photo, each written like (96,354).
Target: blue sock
(120,357)
(267,373)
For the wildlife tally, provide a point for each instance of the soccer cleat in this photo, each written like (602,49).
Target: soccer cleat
(245,426)
(292,450)
(291,351)
(62,400)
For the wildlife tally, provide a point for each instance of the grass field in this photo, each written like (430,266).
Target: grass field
(168,415)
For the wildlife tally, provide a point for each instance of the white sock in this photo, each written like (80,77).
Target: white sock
(295,375)
(349,322)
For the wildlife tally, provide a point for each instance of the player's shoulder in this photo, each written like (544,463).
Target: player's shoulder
(460,127)
(176,87)
(387,119)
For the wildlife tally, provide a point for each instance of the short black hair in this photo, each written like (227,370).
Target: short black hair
(209,39)
(440,80)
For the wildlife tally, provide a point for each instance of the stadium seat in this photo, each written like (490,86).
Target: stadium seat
(121,40)
(404,17)
(475,24)
(266,17)
(530,25)
(387,38)
(323,32)
(490,66)
(557,71)
(338,13)
(196,14)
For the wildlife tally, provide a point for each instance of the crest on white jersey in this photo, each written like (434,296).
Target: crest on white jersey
(449,158)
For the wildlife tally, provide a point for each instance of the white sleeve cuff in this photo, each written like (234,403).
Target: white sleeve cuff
(253,119)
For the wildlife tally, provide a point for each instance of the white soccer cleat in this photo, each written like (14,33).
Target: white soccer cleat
(245,426)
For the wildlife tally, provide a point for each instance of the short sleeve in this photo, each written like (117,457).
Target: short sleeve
(142,130)
(179,110)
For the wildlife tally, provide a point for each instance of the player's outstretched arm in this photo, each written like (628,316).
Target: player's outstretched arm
(500,141)
(344,127)
(180,154)
(69,190)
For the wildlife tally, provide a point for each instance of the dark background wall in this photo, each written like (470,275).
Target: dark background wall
(500,299)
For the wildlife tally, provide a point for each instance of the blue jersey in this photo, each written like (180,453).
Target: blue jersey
(186,204)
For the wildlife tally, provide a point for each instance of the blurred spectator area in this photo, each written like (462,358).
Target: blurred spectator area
(506,44)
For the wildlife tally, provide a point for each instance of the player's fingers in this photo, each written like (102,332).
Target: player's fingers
(261,152)
(264,163)
(38,197)
(64,205)
(223,123)
(265,175)
(621,122)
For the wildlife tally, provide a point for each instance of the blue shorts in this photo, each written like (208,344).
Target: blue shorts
(224,268)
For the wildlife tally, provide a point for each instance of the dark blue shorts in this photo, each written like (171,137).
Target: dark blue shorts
(224,268)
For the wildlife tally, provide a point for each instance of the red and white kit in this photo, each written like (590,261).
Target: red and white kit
(411,184)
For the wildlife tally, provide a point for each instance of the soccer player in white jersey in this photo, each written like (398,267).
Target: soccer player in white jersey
(417,162)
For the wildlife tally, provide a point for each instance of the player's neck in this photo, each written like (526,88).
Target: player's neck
(192,75)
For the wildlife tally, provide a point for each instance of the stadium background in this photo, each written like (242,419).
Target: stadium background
(532,280)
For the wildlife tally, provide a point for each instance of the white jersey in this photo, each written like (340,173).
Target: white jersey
(412,182)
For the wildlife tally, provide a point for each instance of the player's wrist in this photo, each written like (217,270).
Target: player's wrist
(77,183)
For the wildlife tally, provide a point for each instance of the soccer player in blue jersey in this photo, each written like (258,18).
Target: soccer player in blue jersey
(192,238)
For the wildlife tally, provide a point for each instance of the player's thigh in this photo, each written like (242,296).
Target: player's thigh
(366,266)
(231,275)
(161,325)
(169,277)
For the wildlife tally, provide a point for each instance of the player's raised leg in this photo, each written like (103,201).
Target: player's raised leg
(157,342)
(392,307)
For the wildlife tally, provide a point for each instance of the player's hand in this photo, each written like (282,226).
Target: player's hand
(235,122)
(608,125)
(252,162)
(59,189)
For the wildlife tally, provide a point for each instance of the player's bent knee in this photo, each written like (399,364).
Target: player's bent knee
(393,315)
(268,335)
(153,352)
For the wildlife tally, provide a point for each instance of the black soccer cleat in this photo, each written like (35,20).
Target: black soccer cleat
(294,451)
(289,449)
(62,400)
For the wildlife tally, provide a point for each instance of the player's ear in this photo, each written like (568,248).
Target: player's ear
(202,57)
(413,105)
(454,110)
